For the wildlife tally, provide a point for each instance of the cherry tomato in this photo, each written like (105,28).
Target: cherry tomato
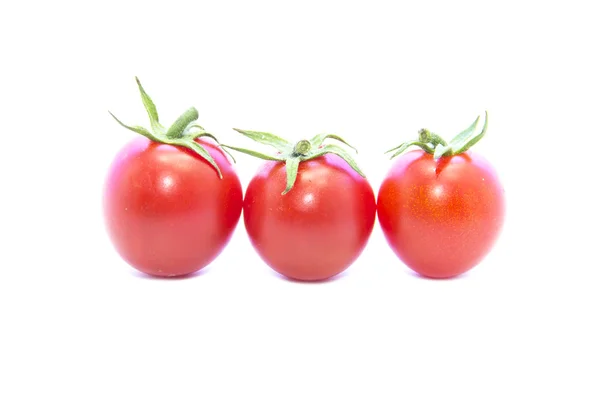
(321,222)
(441,217)
(166,209)
(171,198)
(316,230)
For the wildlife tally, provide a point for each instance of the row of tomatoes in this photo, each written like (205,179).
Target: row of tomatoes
(173,199)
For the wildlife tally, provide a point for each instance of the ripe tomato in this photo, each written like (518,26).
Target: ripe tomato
(317,229)
(441,217)
(171,199)
(166,209)
(321,223)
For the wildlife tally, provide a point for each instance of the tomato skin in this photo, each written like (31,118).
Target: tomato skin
(441,218)
(318,228)
(166,210)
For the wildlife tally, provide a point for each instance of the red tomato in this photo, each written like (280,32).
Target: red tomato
(318,228)
(167,212)
(441,217)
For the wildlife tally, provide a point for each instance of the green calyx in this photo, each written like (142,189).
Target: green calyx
(293,154)
(434,144)
(183,132)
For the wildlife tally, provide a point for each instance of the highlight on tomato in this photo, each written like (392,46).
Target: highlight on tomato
(172,198)
(441,207)
(309,210)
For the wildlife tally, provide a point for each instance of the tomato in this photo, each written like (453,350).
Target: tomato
(322,221)
(172,198)
(316,230)
(441,217)
(166,209)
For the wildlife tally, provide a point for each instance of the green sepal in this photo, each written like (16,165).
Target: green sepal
(195,125)
(404,146)
(137,129)
(254,153)
(269,139)
(466,142)
(150,109)
(337,150)
(210,135)
(178,134)
(201,151)
(291,173)
(203,133)
(462,137)
(441,150)
(319,139)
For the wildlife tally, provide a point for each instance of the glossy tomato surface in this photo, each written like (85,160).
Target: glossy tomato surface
(318,228)
(441,217)
(166,210)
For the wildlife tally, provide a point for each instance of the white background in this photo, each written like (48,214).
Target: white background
(76,322)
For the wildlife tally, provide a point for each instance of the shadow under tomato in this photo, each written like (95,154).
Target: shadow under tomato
(334,278)
(141,275)
(428,278)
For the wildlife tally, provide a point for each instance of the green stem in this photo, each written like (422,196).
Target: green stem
(302,148)
(178,128)
(426,136)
